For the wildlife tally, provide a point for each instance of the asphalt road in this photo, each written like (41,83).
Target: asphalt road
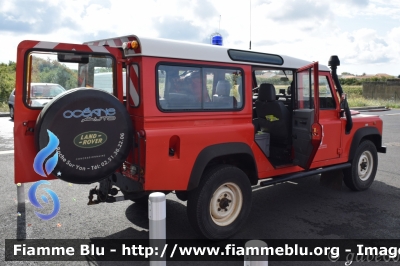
(295,210)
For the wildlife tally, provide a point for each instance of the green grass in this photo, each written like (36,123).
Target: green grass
(355,99)
(352,90)
(361,102)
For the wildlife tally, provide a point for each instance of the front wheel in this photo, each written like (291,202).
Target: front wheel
(219,206)
(362,172)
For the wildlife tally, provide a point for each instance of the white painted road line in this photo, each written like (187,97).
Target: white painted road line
(394,114)
(6,152)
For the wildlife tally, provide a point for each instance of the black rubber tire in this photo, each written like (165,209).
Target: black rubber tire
(199,199)
(365,151)
(12,112)
(94,131)
(182,195)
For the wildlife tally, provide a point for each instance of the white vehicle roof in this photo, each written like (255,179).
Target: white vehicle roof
(157,47)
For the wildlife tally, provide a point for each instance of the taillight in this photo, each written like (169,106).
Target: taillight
(130,45)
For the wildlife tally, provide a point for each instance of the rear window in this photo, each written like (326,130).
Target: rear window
(49,74)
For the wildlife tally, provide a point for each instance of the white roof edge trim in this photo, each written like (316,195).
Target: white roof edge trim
(207,52)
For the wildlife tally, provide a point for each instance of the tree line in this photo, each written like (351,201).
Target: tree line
(7,79)
(44,71)
(359,81)
(52,71)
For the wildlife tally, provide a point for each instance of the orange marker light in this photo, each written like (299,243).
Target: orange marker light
(134,44)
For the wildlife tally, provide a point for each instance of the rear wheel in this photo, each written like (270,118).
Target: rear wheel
(362,172)
(219,206)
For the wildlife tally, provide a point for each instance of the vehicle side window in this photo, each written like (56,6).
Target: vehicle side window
(326,101)
(305,91)
(281,79)
(199,88)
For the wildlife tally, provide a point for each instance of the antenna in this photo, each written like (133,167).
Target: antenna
(250,25)
(216,38)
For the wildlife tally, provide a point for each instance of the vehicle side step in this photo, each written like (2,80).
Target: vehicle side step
(289,177)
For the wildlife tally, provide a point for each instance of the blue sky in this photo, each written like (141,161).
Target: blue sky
(365,34)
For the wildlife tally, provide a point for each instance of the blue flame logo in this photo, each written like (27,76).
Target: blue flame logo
(44,153)
(49,165)
(53,195)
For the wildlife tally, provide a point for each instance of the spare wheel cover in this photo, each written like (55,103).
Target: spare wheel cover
(94,132)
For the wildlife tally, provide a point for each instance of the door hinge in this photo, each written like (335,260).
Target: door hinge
(30,127)
(339,151)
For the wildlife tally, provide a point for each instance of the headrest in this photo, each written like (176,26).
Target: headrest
(266,92)
(290,89)
(223,88)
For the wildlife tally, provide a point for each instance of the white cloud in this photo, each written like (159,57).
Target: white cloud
(354,8)
(394,36)
(365,46)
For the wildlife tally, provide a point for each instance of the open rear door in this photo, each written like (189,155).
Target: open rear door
(307,131)
(45,70)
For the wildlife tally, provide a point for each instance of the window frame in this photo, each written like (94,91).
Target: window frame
(326,75)
(55,52)
(201,67)
(310,90)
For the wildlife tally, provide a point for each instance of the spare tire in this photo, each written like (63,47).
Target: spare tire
(94,131)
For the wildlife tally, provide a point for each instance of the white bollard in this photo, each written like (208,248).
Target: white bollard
(157,228)
(260,260)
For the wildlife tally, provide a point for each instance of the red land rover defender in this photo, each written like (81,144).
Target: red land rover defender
(208,122)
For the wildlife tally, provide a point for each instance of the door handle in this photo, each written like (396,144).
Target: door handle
(303,122)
